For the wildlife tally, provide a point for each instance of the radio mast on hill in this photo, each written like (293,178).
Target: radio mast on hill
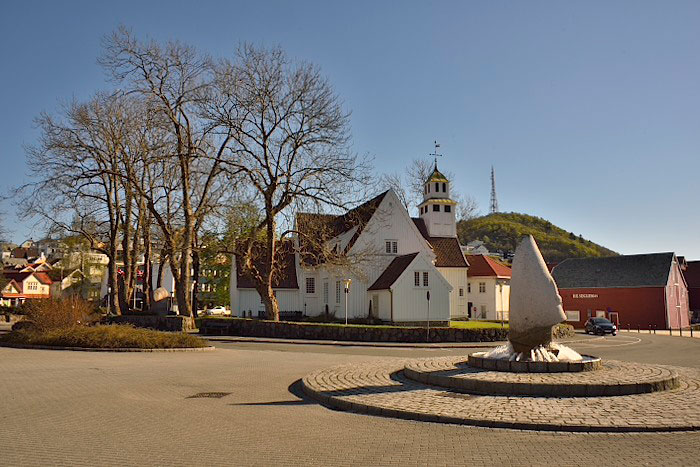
(494,201)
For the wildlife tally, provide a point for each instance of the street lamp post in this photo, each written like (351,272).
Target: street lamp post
(427,295)
(347,292)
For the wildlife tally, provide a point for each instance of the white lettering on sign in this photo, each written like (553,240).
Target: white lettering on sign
(585,295)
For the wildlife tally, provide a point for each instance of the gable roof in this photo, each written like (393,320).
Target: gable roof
(692,274)
(392,272)
(647,270)
(286,278)
(323,227)
(485,266)
(448,252)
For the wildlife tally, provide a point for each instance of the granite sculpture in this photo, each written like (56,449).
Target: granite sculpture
(535,307)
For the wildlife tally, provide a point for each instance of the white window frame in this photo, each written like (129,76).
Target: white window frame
(310,285)
(570,316)
(338,291)
(461,292)
(426,279)
(391,247)
(482,287)
(325,292)
(416,278)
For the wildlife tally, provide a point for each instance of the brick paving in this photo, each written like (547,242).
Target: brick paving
(381,388)
(72,408)
(614,378)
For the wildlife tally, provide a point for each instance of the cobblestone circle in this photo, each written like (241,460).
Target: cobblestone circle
(381,388)
(613,378)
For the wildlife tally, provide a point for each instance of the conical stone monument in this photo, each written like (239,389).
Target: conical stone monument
(535,304)
(535,307)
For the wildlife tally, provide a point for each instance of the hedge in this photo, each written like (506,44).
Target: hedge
(246,327)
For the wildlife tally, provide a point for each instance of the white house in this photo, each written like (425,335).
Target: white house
(393,261)
(488,289)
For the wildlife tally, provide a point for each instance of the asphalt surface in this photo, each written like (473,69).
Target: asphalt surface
(240,405)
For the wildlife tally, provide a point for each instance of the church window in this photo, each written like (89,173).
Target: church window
(337,291)
(391,247)
(482,287)
(425,279)
(448,208)
(325,292)
(311,285)
(416,279)
(461,291)
(437,187)
(444,187)
(436,207)
(469,287)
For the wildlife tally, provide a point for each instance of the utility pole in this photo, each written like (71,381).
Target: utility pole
(494,201)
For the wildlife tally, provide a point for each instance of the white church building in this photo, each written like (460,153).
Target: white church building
(400,260)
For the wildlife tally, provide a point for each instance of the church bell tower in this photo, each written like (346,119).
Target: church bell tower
(437,209)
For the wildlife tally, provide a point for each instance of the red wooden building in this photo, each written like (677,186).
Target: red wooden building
(692,279)
(639,291)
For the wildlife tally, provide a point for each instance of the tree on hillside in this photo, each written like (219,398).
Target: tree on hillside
(289,140)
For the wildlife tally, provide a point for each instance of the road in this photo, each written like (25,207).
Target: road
(78,408)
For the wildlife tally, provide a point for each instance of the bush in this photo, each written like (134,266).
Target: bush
(563,330)
(59,313)
(12,310)
(104,337)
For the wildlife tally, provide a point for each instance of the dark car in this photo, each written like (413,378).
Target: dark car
(600,326)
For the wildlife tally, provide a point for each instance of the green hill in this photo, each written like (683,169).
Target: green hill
(501,232)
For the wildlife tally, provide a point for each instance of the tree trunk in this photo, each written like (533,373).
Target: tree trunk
(147,267)
(272,307)
(195,281)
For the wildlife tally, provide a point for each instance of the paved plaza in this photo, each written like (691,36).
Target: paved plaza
(235,406)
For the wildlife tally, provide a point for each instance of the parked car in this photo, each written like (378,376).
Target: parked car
(218,311)
(600,326)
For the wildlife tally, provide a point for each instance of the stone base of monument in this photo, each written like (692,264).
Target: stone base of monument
(612,379)
(587,363)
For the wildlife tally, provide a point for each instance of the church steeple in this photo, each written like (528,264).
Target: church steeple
(437,209)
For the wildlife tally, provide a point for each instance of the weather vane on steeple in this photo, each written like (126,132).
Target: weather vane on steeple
(435,154)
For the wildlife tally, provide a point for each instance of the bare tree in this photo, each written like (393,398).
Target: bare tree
(78,189)
(467,207)
(393,181)
(289,141)
(174,80)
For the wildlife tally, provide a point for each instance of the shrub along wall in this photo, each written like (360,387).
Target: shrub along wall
(160,323)
(289,330)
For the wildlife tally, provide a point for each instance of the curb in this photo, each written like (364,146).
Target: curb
(408,345)
(98,349)
(363,409)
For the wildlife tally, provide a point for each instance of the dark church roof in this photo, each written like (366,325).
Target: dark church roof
(649,270)
(392,272)
(448,253)
(323,227)
(286,277)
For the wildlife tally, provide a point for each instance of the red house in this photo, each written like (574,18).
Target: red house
(692,279)
(639,291)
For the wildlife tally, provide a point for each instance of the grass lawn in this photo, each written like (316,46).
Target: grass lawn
(105,337)
(477,325)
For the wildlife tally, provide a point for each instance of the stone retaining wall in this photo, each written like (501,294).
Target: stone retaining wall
(159,323)
(288,330)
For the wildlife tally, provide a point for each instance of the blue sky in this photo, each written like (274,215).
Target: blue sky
(589,111)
